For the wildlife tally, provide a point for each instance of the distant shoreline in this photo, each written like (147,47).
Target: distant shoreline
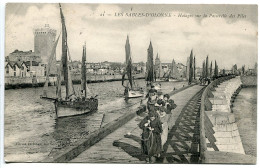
(41,84)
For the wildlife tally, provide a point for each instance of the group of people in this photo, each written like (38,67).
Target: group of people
(155,124)
(204,81)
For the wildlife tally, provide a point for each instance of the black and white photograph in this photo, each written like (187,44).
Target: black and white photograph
(130,83)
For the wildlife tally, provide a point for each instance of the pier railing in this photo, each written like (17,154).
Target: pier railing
(206,127)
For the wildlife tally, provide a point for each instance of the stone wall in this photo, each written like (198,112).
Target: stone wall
(249,81)
(225,127)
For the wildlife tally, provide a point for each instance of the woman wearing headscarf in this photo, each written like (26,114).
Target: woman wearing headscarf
(151,136)
(164,117)
(169,103)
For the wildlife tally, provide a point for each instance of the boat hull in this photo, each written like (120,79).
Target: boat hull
(157,86)
(134,94)
(67,108)
(173,80)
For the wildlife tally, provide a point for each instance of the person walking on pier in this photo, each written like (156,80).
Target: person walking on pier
(169,103)
(163,117)
(152,97)
(151,137)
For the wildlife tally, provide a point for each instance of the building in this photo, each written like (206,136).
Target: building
(24,69)
(23,56)
(16,69)
(44,39)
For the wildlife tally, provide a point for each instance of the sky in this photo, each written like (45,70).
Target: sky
(228,40)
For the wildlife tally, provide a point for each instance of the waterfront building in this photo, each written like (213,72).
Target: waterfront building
(22,56)
(16,69)
(37,71)
(24,69)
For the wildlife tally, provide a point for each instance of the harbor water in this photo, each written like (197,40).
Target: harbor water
(32,131)
(245,110)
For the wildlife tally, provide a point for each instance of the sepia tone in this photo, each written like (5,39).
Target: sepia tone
(131,83)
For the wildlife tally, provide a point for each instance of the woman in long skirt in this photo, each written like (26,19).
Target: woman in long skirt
(161,110)
(151,136)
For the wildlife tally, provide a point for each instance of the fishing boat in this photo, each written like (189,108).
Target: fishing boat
(150,73)
(132,90)
(74,103)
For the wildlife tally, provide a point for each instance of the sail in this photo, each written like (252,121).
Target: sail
(128,70)
(64,59)
(49,67)
(127,50)
(191,67)
(167,74)
(174,70)
(194,66)
(83,72)
(207,67)
(149,65)
(58,88)
(123,78)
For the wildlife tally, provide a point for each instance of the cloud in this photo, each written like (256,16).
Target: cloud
(173,37)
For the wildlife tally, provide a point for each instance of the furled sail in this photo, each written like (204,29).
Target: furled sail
(51,59)
(123,78)
(149,66)
(65,62)
(58,88)
(128,70)
(127,50)
(83,72)
(174,70)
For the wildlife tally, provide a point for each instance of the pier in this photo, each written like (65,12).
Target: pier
(202,129)
(220,141)
(123,145)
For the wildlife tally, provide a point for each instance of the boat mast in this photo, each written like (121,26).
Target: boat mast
(58,88)
(83,71)
(64,59)
(128,62)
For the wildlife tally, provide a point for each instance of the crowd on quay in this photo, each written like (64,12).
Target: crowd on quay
(155,124)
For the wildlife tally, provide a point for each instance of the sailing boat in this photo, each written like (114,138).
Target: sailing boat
(174,73)
(150,73)
(132,90)
(166,76)
(72,104)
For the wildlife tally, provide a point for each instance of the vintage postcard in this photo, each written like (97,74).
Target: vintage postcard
(130,83)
